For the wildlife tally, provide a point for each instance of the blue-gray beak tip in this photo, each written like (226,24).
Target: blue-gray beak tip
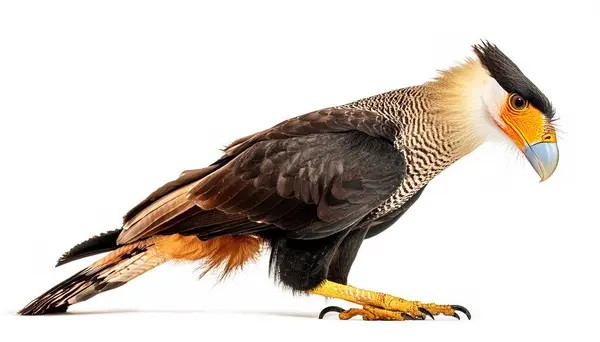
(543,157)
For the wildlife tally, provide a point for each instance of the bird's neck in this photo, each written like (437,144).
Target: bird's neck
(437,123)
(444,119)
(459,100)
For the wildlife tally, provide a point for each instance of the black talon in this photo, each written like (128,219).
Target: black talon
(455,315)
(330,309)
(426,312)
(461,309)
(407,316)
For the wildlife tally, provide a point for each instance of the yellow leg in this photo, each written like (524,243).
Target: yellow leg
(381,306)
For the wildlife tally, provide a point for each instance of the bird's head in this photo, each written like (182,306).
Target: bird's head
(511,102)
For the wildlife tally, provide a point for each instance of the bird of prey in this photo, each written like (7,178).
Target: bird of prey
(313,187)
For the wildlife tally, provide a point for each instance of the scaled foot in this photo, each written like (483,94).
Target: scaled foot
(381,306)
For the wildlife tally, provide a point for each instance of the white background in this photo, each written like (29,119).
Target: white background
(102,102)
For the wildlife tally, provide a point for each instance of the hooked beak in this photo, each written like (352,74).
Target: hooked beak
(543,156)
(534,134)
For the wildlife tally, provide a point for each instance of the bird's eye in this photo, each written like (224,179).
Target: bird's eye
(517,102)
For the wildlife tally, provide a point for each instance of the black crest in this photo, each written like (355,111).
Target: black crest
(510,77)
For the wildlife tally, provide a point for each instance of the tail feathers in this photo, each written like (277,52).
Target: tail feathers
(112,271)
(104,242)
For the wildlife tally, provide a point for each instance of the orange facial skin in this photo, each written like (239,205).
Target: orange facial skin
(526,126)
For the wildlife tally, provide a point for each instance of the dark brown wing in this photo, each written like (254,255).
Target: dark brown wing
(329,120)
(311,186)
(184,179)
(299,177)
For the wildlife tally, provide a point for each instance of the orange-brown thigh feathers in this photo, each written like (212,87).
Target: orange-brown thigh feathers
(227,252)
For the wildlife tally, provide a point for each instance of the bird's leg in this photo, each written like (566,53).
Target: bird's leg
(381,306)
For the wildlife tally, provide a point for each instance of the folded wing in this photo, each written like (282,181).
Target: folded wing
(307,178)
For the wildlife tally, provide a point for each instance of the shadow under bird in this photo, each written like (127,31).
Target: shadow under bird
(313,187)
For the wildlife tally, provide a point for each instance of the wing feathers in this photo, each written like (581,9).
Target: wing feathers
(170,198)
(328,120)
(152,218)
(310,176)
(184,179)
